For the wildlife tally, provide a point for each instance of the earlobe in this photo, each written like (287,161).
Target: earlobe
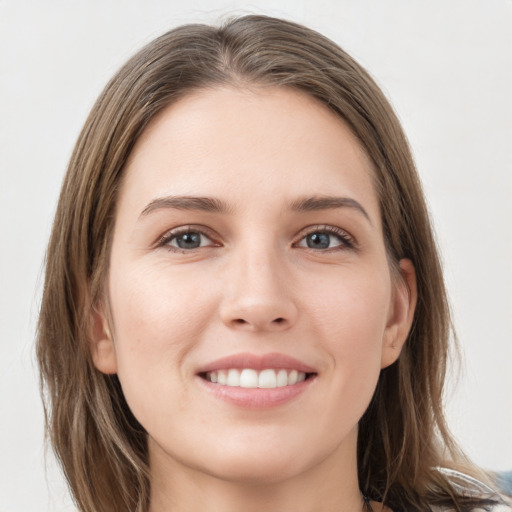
(401,314)
(102,344)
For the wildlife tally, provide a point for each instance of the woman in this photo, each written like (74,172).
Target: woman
(243,306)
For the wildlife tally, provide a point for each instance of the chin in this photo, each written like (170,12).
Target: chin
(264,463)
(263,470)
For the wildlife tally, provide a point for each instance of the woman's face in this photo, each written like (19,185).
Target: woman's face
(248,250)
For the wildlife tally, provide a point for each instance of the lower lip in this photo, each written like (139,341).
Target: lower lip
(257,398)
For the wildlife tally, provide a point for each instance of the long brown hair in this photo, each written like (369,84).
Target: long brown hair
(403,436)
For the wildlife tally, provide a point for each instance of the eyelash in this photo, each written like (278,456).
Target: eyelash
(169,236)
(347,241)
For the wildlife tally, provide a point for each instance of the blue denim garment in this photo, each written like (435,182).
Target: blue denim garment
(504,480)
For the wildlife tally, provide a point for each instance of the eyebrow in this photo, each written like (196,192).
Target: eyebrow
(205,204)
(214,205)
(314,203)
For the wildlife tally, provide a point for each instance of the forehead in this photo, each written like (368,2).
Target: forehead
(240,142)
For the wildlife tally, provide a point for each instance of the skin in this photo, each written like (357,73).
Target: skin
(253,285)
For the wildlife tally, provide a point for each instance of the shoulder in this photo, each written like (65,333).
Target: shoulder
(470,487)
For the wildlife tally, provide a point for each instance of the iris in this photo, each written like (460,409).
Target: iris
(318,240)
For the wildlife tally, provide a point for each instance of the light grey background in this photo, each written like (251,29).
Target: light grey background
(446,66)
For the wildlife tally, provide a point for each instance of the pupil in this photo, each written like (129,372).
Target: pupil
(189,241)
(318,241)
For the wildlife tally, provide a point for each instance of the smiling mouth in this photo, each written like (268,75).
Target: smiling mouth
(253,379)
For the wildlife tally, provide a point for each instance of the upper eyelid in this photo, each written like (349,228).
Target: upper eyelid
(325,228)
(174,232)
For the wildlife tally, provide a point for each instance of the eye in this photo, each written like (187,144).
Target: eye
(190,240)
(185,239)
(326,238)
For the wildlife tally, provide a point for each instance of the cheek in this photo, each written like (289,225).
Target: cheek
(158,318)
(156,306)
(354,307)
(350,321)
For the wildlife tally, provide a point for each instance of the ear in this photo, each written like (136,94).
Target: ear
(401,313)
(102,344)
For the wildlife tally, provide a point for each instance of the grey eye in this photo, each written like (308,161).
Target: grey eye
(323,240)
(189,240)
(318,240)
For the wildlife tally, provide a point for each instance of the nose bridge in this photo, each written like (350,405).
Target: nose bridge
(259,294)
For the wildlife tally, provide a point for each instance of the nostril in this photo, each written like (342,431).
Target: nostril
(279,320)
(240,321)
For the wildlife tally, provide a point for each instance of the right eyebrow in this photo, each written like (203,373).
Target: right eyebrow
(205,204)
(308,204)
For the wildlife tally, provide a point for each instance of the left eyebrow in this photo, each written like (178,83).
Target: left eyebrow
(308,204)
(205,204)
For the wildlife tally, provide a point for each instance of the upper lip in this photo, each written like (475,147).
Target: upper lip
(257,362)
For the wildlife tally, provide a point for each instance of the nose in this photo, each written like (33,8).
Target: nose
(258,294)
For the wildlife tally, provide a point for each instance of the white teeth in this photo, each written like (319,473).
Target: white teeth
(267,379)
(222,377)
(249,378)
(233,378)
(282,378)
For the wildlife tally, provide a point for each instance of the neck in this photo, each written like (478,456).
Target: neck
(330,486)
